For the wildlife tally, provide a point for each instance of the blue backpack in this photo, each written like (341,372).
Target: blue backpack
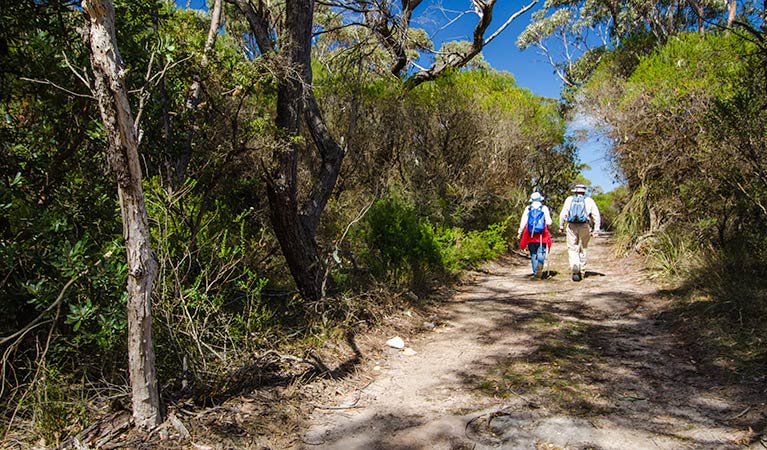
(536,220)
(577,213)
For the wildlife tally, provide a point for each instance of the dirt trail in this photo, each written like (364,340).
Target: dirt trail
(515,363)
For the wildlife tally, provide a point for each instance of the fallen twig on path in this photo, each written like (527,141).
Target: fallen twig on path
(742,413)
(353,405)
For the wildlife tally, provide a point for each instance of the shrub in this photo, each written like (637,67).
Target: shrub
(405,242)
(466,250)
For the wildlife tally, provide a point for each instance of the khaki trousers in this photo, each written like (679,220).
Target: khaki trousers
(578,235)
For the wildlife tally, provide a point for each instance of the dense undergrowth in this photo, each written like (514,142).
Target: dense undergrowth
(688,123)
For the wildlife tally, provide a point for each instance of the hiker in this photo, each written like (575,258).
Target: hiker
(534,232)
(582,217)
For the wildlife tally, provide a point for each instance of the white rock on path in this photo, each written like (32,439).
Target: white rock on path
(396,342)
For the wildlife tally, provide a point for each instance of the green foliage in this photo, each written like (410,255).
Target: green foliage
(688,123)
(671,255)
(657,115)
(402,240)
(477,122)
(409,247)
(461,250)
(610,204)
(686,68)
(208,291)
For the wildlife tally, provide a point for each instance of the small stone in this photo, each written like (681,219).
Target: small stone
(396,342)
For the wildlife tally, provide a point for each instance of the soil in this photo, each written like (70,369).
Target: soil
(507,362)
(512,362)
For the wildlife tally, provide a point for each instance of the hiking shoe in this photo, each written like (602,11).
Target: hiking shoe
(576,273)
(539,273)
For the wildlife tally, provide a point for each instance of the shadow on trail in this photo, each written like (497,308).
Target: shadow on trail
(632,370)
(588,274)
(616,364)
(270,370)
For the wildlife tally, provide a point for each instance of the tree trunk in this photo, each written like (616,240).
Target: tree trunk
(295,230)
(123,157)
(732,9)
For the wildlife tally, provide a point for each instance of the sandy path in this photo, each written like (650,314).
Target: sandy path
(563,365)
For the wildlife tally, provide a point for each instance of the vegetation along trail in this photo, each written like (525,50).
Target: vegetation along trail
(517,363)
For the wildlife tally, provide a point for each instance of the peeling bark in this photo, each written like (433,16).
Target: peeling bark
(122,154)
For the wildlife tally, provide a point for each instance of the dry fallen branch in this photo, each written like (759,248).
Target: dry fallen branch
(741,414)
(353,405)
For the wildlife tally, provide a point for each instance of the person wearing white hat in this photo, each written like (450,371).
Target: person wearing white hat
(534,232)
(581,215)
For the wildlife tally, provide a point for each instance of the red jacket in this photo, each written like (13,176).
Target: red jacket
(543,237)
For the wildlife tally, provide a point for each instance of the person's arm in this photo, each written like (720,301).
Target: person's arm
(593,211)
(547,215)
(523,222)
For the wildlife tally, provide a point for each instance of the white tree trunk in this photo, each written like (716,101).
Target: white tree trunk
(122,154)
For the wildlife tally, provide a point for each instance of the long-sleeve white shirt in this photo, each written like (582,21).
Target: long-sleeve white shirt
(592,213)
(523,222)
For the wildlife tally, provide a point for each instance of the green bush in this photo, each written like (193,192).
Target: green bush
(610,205)
(461,250)
(410,247)
(208,306)
(406,243)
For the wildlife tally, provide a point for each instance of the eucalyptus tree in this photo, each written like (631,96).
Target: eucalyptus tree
(573,34)
(285,37)
(122,153)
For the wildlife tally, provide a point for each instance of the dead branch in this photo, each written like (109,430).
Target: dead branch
(51,83)
(82,77)
(509,20)
(456,60)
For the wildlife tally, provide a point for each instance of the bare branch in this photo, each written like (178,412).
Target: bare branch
(150,82)
(455,60)
(450,22)
(258,24)
(338,28)
(33,324)
(82,77)
(509,20)
(51,83)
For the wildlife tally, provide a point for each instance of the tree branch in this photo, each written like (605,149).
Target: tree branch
(258,24)
(457,60)
(51,83)
(509,20)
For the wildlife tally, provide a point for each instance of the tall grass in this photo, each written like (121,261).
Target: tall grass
(720,298)
(633,223)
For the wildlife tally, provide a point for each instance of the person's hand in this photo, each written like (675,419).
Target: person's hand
(519,235)
(561,230)
(595,234)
